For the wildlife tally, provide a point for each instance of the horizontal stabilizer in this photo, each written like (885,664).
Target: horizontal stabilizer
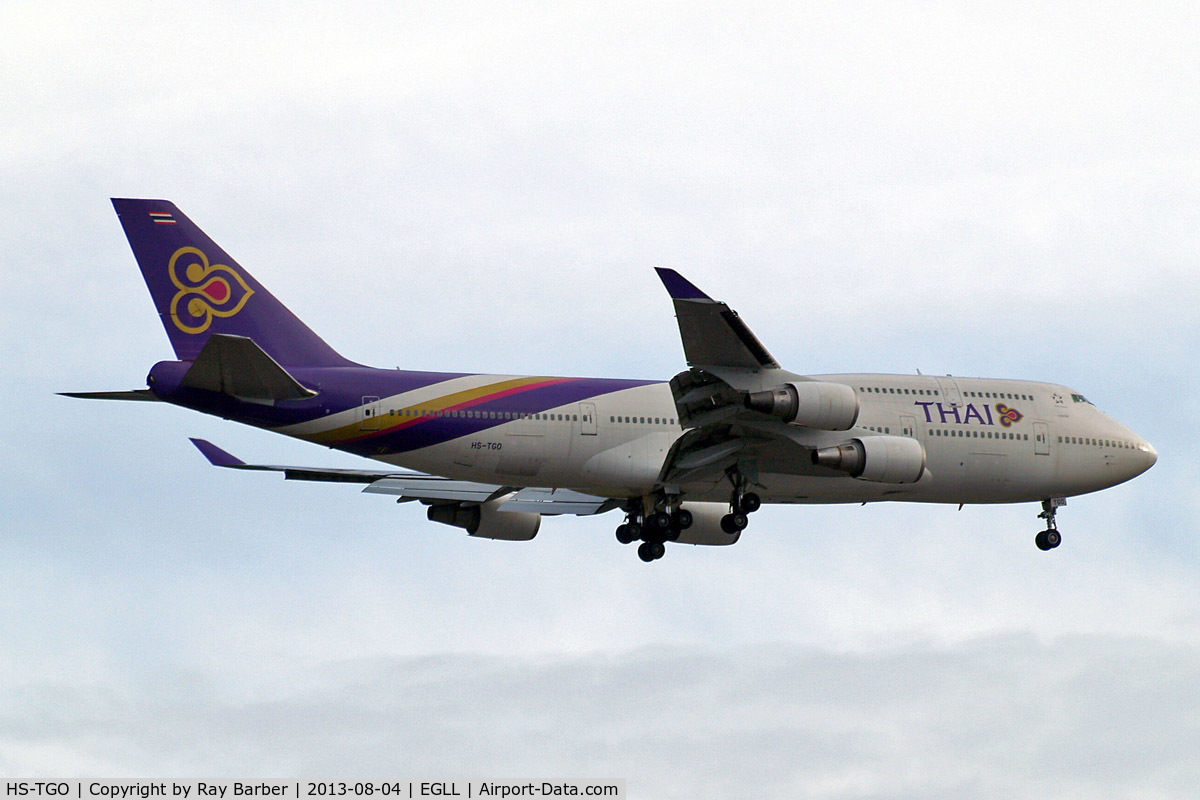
(132,394)
(236,366)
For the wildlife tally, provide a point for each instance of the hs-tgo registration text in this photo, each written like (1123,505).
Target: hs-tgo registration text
(224,790)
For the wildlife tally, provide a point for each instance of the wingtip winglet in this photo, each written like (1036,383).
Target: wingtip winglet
(215,455)
(679,287)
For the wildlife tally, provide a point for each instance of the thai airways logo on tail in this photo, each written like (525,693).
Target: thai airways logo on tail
(205,290)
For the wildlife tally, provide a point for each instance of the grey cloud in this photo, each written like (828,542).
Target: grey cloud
(1003,717)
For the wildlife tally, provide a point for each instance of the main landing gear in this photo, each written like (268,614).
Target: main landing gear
(653,529)
(658,519)
(741,505)
(1049,538)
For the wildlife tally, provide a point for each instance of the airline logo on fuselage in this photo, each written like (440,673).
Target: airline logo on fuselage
(1005,416)
(210,290)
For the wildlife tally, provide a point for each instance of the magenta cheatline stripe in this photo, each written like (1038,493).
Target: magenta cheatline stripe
(410,422)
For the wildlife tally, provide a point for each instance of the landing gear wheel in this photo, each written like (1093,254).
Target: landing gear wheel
(660,521)
(651,551)
(683,519)
(628,533)
(1049,538)
(750,503)
(732,523)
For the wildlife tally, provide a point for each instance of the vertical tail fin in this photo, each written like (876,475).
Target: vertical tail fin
(199,290)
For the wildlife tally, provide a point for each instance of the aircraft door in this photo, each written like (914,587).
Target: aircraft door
(369,414)
(1041,438)
(587,419)
(908,426)
(950,391)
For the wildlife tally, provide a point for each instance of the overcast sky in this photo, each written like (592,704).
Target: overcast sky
(1009,190)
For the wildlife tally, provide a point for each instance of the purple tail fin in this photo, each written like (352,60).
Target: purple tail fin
(199,290)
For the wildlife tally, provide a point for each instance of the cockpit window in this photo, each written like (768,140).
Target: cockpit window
(1078,398)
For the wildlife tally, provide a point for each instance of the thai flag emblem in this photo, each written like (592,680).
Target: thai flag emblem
(162,217)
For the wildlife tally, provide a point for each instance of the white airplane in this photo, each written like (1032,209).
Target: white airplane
(686,460)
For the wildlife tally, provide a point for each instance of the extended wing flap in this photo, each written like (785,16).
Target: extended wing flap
(430,488)
(558,501)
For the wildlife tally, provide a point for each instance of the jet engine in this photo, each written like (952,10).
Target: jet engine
(813,404)
(487,521)
(883,459)
(706,525)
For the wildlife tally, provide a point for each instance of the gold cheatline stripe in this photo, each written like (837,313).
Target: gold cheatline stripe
(433,404)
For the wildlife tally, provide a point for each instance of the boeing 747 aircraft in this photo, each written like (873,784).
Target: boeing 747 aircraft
(686,460)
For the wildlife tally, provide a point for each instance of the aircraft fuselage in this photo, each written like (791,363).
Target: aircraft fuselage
(986,440)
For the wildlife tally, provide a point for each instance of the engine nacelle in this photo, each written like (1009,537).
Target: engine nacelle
(813,404)
(487,521)
(883,459)
(706,525)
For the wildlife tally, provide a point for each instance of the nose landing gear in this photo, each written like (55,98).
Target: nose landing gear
(1050,538)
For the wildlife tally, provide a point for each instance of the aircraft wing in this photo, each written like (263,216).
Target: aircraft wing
(428,489)
(713,334)
(727,398)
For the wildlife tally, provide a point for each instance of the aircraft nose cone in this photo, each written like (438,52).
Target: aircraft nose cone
(1151,454)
